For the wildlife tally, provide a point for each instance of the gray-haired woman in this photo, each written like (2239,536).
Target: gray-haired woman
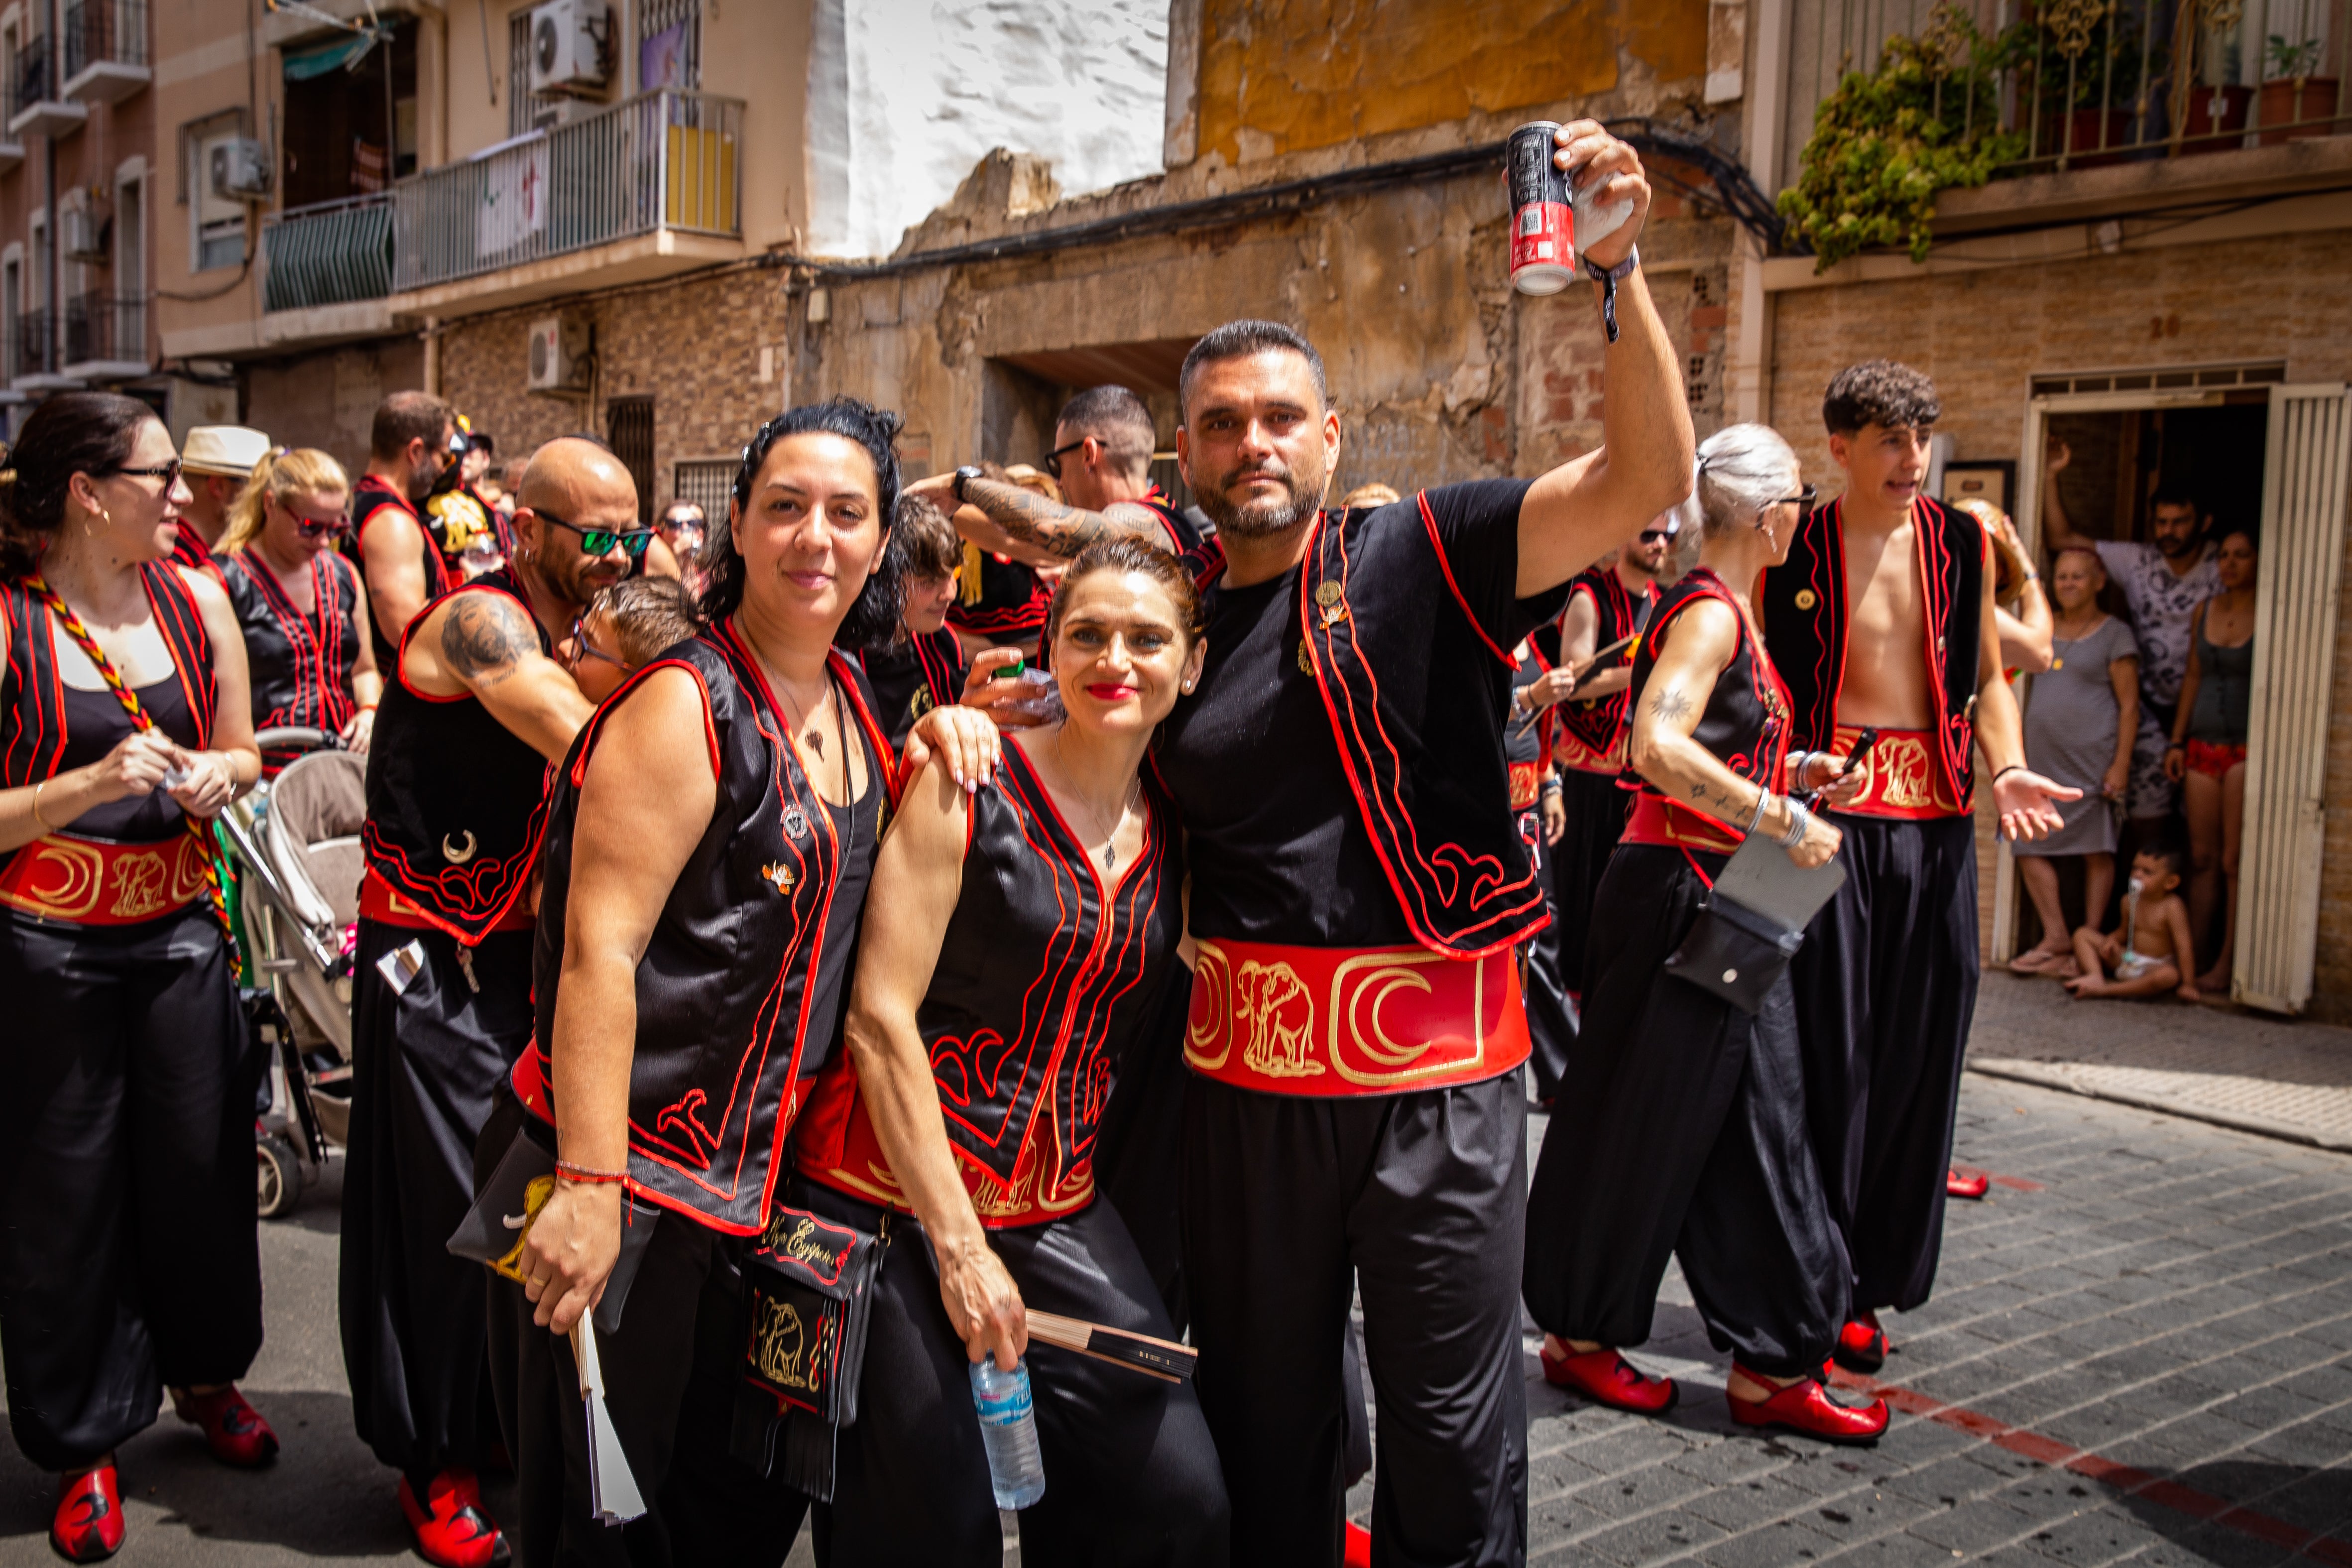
(1680,1125)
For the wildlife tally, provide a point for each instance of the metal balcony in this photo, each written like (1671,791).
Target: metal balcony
(106,337)
(36,104)
(37,364)
(661,164)
(106,50)
(329,253)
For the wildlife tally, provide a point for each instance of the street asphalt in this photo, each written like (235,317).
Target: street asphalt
(2137,1351)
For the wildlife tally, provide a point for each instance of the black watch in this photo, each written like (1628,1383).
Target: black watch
(965,475)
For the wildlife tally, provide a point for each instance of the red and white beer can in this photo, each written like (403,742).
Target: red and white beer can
(1543,227)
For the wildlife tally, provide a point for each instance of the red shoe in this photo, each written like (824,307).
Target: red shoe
(1806,1406)
(1961,1183)
(234,1430)
(89,1523)
(1862,1345)
(1607,1378)
(1358,1552)
(456,1533)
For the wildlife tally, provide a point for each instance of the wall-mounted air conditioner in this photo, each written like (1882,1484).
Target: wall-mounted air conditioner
(568,41)
(557,355)
(82,233)
(239,168)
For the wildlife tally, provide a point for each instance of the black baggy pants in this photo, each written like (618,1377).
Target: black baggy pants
(128,1260)
(1885,988)
(425,1061)
(1424,1196)
(1681,1130)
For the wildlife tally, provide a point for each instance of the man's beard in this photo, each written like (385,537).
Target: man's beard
(1261,520)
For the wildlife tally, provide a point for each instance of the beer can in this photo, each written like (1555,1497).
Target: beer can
(1543,228)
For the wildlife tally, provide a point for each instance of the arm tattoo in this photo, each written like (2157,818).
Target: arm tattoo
(484,637)
(1670,704)
(1051,526)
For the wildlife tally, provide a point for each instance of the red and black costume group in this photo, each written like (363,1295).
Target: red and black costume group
(739,999)
(1887,982)
(1356,1117)
(1680,1128)
(911,678)
(1049,967)
(300,662)
(371,498)
(129,1259)
(1004,602)
(440,1010)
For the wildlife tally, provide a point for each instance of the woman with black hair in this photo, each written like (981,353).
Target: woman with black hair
(688,977)
(129,1262)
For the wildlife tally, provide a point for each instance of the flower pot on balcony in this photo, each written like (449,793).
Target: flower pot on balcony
(2080,138)
(2214,114)
(2291,98)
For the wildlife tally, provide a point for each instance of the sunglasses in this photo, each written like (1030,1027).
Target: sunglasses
(582,649)
(169,473)
(1652,535)
(601,540)
(313,527)
(1803,499)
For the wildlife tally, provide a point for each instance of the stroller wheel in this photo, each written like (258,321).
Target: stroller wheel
(279,1174)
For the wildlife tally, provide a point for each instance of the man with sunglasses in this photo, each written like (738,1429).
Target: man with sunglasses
(399,561)
(442,976)
(1883,618)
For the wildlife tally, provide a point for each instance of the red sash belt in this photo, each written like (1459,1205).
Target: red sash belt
(382,902)
(1571,752)
(83,882)
(1657,820)
(1903,777)
(1527,782)
(1352,1020)
(1034,1195)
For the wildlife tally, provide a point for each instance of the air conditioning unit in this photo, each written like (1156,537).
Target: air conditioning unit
(559,353)
(239,169)
(82,232)
(567,46)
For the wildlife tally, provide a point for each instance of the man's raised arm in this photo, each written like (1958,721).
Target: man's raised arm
(1586,507)
(1034,530)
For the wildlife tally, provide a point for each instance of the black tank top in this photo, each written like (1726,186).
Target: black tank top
(300,664)
(1746,723)
(96,724)
(912,677)
(369,497)
(743,975)
(456,801)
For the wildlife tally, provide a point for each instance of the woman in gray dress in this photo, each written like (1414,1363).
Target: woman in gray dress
(2078,730)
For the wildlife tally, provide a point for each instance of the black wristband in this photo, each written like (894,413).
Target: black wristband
(2003,772)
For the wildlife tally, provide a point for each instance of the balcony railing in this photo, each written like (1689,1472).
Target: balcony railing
(105,32)
(33,75)
(661,159)
(33,349)
(106,328)
(2084,83)
(329,253)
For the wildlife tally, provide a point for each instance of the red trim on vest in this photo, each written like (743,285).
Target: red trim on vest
(1429,522)
(384,903)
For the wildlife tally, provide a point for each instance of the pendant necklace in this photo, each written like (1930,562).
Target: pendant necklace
(1110,846)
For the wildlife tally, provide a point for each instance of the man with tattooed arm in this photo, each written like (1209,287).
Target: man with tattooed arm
(441,1003)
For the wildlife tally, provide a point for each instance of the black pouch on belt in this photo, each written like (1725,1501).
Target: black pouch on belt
(1735,953)
(808,1297)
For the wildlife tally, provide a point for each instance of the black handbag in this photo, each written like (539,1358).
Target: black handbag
(1735,953)
(808,1297)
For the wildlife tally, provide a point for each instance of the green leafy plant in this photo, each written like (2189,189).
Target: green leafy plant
(1885,141)
(2281,59)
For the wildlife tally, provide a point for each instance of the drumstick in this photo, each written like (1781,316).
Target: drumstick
(1601,653)
(1163,1358)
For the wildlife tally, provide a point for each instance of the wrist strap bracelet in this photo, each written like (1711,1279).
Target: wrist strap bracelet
(1552,786)
(589,1174)
(37,807)
(1799,819)
(2004,773)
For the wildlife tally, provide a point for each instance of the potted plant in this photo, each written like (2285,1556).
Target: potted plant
(2294,92)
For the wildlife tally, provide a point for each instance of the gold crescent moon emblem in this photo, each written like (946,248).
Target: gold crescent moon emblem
(456,855)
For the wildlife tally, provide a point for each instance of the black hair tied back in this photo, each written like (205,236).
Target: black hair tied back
(876,611)
(70,433)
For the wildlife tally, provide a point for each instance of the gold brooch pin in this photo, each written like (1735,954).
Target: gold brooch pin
(1327,593)
(1807,598)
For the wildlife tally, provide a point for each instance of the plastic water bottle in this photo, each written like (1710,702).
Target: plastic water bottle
(1008,1428)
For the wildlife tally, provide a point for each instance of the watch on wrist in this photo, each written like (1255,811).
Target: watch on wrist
(965,475)
(1609,277)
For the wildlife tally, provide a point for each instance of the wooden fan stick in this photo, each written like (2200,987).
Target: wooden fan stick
(1162,1359)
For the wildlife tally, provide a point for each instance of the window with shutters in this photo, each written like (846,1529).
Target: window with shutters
(629,431)
(707,482)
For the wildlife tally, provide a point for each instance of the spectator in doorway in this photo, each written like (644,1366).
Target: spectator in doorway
(2150,955)
(2079,728)
(2163,581)
(2208,755)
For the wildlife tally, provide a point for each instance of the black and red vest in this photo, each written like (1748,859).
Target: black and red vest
(1424,755)
(33,694)
(456,801)
(1745,722)
(1594,726)
(1049,967)
(372,495)
(189,550)
(911,678)
(723,990)
(1805,616)
(300,664)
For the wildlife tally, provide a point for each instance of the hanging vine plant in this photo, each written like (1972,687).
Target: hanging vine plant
(1886,141)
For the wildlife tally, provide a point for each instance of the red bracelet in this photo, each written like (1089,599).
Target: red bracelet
(589,1174)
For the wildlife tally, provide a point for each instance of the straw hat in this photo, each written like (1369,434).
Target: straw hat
(230,449)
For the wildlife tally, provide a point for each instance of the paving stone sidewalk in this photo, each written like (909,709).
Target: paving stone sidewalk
(2230,1065)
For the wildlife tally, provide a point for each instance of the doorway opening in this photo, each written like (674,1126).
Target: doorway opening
(1022,392)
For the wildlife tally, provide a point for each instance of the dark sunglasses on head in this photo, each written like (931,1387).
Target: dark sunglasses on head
(169,473)
(601,540)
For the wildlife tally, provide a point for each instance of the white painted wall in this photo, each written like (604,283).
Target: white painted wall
(907,95)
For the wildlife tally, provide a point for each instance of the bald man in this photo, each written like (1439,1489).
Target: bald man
(441,1002)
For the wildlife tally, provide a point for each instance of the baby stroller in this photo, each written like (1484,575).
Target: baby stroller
(294,843)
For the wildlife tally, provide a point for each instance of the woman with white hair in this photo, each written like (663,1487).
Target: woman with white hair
(1680,1126)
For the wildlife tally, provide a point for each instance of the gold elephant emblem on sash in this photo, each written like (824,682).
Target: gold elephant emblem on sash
(784,1345)
(1277,1015)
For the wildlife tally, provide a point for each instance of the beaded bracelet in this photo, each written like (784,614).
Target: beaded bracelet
(589,1174)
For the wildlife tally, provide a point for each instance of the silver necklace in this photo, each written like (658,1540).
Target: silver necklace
(1110,846)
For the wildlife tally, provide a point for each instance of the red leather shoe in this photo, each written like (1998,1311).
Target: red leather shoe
(1862,1345)
(1359,1550)
(1806,1406)
(453,1532)
(1607,1378)
(1962,1184)
(88,1527)
(234,1429)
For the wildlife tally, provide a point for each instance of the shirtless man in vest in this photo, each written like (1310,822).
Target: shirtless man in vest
(1883,618)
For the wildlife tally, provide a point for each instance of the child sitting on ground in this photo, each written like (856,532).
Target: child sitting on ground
(626,627)
(2146,954)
